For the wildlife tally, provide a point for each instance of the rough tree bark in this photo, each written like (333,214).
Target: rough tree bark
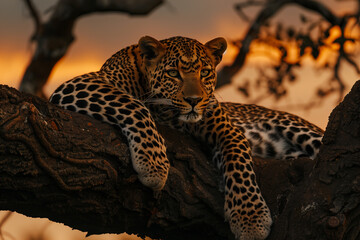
(73,169)
(54,37)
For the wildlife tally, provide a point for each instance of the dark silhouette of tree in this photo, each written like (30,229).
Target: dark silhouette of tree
(311,38)
(54,36)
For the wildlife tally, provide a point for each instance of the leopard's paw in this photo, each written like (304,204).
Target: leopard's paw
(154,179)
(152,166)
(250,224)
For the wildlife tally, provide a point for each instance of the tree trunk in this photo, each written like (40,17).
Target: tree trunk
(73,169)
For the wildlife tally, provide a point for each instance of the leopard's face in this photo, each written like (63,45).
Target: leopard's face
(181,74)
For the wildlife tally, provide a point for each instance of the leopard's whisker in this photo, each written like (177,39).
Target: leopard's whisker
(162,101)
(148,95)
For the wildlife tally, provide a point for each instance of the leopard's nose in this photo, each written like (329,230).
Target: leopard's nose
(192,100)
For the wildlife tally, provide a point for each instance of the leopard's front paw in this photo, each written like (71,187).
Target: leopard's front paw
(155,179)
(250,222)
(151,164)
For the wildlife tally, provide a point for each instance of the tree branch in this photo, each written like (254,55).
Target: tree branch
(73,169)
(54,37)
(269,10)
(36,17)
(327,204)
(228,71)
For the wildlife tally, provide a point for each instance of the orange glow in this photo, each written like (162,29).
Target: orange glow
(13,64)
(70,68)
(264,53)
(12,67)
(292,53)
(352,30)
(335,33)
(229,54)
(349,46)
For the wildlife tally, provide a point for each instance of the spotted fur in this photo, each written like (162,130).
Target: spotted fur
(172,81)
(275,134)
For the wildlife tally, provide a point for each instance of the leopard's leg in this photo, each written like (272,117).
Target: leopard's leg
(282,138)
(301,135)
(245,208)
(275,134)
(90,94)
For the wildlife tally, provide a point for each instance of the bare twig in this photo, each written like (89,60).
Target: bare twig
(228,71)
(352,63)
(250,3)
(36,17)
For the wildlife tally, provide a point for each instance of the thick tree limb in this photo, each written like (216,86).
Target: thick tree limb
(73,169)
(326,205)
(54,36)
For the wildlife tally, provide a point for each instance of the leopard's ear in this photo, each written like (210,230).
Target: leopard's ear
(216,48)
(151,50)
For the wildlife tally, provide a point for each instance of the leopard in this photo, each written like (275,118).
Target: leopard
(172,82)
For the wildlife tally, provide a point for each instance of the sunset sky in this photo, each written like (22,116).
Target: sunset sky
(98,36)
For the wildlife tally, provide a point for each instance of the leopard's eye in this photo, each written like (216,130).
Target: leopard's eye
(204,72)
(173,73)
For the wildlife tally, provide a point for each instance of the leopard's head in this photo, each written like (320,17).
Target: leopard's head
(181,73)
